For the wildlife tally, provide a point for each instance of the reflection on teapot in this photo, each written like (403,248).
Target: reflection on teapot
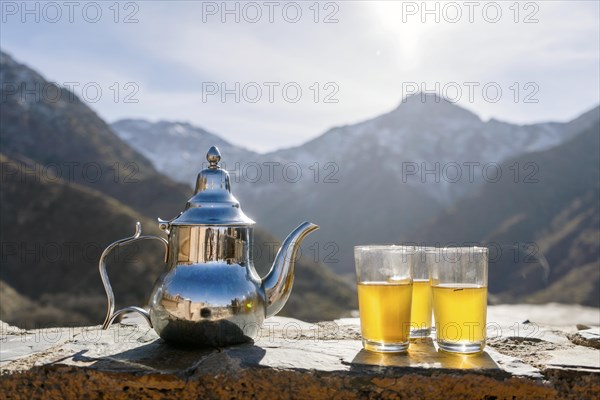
(210,293)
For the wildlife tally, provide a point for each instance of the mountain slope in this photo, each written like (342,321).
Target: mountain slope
(26,313)
(53,233)
(52,127)
(557,217)
(184,145)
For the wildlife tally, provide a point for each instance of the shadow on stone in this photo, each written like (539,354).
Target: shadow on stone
(187,334)
(159,356)
(423,354)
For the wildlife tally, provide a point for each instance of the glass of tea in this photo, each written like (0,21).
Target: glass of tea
(459,280)
(420,315)
(384,280)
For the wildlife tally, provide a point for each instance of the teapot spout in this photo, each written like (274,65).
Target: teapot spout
(278,282)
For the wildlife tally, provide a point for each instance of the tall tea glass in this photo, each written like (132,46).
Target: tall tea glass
(384,280)
(420,320)
(459,280)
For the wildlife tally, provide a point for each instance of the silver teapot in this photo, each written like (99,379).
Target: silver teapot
(210,293)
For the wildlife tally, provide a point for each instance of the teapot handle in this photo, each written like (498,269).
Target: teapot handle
(110,312)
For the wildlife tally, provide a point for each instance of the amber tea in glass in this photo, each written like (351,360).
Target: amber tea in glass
(459,287)
(384,296)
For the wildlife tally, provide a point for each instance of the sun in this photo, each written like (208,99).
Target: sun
(405,29)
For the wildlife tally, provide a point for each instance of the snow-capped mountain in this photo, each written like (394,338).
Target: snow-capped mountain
(428,141)
(177,149)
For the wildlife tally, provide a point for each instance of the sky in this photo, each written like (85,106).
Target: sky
(274,74)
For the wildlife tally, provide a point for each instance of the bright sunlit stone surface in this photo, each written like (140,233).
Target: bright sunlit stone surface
(291,358)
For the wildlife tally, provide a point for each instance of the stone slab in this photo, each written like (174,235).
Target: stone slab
(589,337)
(292,359)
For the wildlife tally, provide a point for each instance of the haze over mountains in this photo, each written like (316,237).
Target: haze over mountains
(387,179)
(423,128)
(70,187)
(370,182)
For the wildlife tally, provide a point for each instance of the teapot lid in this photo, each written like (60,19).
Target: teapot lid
(213,203)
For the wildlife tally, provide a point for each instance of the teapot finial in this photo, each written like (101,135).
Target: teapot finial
(213,156)
(212,202)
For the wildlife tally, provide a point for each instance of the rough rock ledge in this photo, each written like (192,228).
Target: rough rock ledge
(527,357)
